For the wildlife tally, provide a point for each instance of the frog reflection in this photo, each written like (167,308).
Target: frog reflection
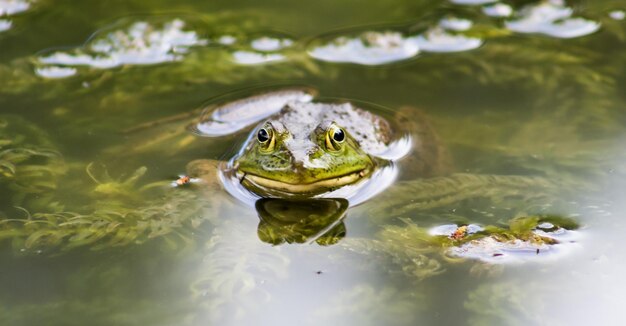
(301,221)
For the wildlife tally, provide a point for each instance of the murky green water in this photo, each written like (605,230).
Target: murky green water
(530,108)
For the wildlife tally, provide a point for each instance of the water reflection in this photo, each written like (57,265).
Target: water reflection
(301,221)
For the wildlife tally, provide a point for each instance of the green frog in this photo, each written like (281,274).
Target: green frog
(301,148)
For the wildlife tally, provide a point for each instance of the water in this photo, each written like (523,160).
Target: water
(530,109)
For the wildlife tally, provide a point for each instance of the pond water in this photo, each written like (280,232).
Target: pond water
(527,100)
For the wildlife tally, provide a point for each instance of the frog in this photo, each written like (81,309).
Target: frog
(299,147)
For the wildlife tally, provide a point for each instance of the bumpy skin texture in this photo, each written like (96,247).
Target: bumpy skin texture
(301,150)
(284,163)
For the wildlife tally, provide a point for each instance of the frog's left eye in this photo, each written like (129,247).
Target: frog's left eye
(335,137)
(265,137)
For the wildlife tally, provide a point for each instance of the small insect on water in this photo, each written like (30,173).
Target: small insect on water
(459,233)
(183,180)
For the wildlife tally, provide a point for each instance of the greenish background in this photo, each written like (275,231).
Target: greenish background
(535,126)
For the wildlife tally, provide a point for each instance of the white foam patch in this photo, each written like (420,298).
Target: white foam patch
(5,25)
(268,44)
(455,24)
(617,14)
(370,48)
(12,7)
(438,40)
(551,18)
(472,2)
(141,44)
(255,58)
(498,10)
(227,40)
(54,72)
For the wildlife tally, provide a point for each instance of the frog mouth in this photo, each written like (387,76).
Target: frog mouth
(303,188)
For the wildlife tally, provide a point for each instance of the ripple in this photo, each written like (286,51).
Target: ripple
(439,40)
(142,43)
(368,48)
(551,18)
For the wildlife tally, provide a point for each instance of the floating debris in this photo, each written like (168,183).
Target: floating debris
(369,48)
(498,10)
(184,180)
(449,230)
(551,18)
(140,44)
(514,245)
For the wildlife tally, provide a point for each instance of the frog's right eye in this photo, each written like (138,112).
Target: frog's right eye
(266,138)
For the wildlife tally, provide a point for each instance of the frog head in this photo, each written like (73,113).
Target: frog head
(314,159)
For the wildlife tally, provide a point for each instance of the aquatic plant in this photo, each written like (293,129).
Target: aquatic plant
(235,272)
(119,216)
(369,305)
(30,166)
(418,252)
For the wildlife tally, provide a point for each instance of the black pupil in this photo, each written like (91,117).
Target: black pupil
(338,136)
(263,136)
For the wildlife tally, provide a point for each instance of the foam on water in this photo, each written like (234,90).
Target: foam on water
(551,18)
(368,48)
(142,43)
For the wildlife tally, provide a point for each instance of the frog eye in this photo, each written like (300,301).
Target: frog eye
(334,137)
(266,138)
(338,135)
(263,135)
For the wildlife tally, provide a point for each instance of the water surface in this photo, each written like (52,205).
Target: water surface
(527,97)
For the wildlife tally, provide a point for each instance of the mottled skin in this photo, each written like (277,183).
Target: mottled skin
(301,154)
(302,148)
